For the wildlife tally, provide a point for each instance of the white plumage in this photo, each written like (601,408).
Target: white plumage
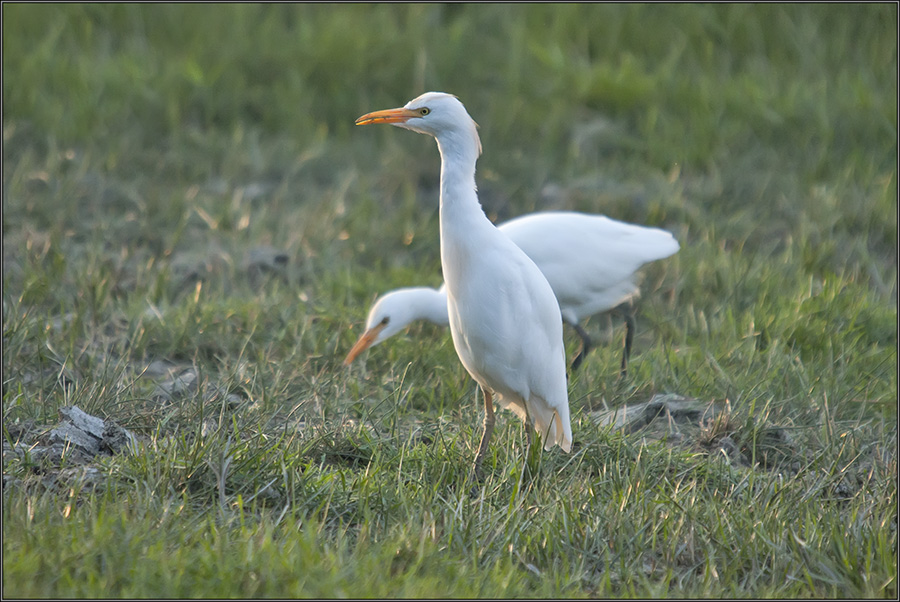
(504,318)
(590,262)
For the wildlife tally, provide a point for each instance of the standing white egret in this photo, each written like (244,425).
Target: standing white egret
(504,318)
(590,261)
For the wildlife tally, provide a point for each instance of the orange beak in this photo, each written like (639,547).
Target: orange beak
(387,116)
(364,342)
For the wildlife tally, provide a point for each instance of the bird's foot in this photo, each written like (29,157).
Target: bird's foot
(475,481)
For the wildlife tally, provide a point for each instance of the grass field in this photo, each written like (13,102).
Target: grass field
(185,193)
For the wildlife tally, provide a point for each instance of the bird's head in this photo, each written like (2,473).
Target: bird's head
(390,314)
(434,113)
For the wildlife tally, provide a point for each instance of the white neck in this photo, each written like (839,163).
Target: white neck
(428,304)
(461,213)
(458,157)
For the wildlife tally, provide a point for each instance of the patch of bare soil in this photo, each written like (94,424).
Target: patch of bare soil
(66,450)
(705,426)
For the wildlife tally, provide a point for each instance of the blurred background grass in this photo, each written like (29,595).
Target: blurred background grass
(773,106)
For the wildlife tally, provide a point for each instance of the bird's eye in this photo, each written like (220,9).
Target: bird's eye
(385,320)
(424,111)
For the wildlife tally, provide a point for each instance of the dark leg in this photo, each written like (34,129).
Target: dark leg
(532,458)
(488,429)
(585,346)
(628,314)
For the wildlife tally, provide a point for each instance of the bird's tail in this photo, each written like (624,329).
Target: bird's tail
(560,433)
(555,429)
(552,425)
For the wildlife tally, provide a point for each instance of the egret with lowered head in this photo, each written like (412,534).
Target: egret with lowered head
(590,261)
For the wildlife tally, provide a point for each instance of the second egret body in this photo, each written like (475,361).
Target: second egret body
(590,261)
(504,318)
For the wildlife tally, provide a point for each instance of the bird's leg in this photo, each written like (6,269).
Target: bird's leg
(488,429)
(532,458)
(585,346)
(628,315)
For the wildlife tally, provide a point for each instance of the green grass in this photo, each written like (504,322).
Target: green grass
(148,150)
